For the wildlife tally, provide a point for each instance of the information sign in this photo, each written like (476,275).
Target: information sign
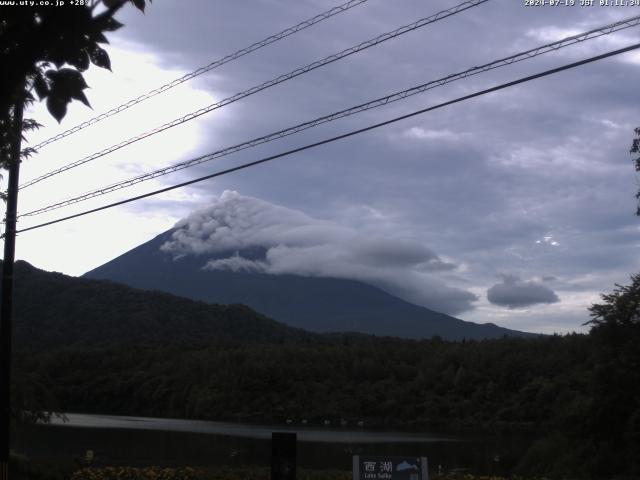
(390,468)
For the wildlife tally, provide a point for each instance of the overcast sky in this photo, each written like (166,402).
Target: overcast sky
(515,208)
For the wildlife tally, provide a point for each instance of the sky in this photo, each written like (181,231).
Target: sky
(516,208)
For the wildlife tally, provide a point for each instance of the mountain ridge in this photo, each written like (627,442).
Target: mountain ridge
(316,304)
(54,310)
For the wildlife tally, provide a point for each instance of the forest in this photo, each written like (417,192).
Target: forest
(168,357)
(580,390)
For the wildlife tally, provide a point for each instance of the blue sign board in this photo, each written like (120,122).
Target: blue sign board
(390,468)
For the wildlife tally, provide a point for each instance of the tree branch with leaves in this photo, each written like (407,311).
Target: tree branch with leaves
(44,52)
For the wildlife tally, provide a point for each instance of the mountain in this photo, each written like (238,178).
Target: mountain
(54,310)
(312,303)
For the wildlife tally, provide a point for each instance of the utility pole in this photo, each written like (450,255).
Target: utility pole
(6,306)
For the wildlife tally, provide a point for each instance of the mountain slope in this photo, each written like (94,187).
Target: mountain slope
(53,310)
(312,303)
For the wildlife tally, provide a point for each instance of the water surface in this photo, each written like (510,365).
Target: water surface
(121,440)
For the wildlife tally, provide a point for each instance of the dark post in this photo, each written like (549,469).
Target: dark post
(6,307)
(283,456)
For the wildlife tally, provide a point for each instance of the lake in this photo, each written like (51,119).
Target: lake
(139,441)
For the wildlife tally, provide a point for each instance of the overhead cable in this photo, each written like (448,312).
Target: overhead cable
(339,137)
(215,64)
(275,81)
(550,47)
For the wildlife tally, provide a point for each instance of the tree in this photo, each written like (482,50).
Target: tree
(44,49)
(622,307)
(614,418)
(635,148)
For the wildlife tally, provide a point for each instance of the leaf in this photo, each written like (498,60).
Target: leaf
(82,97)
(40,86)
(111,25)
(80,60)
(66,84)
(139,4)
(30,124)
(27,152)
(100,38)
(57,60)
(100,57)
(57,107)
(68,81)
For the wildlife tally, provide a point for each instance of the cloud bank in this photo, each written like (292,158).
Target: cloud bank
(513,292)
(295,243)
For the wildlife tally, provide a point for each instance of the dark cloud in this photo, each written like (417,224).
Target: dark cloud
(483,182)
(513,292)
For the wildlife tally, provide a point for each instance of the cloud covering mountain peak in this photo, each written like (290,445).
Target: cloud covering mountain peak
(297,244)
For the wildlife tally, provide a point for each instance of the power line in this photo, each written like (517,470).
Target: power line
(275,81)
(595,33)
(341,137)
(215,64)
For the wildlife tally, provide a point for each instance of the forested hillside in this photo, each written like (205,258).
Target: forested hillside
(54,310)
(157,355)
(386,382)
(575,393)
